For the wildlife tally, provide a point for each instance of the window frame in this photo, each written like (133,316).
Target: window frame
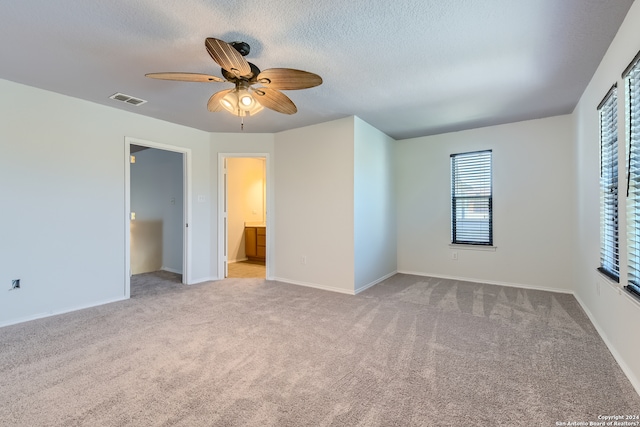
(632,137)
(454,237)
(609,185)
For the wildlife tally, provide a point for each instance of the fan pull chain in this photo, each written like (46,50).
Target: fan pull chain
(241,119)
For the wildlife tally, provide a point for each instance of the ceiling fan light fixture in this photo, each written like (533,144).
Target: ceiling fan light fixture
(240,103)
(246,101)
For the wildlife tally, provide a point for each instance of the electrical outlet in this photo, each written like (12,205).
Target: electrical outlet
(15,284)
(454,256)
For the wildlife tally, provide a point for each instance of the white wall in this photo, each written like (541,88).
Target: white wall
(611,309)
(245,201)
(375,238)
(314,205)
(157,195)
(533,203)
(63,221)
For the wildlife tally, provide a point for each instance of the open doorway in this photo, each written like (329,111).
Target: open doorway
(243,216)
(157,209)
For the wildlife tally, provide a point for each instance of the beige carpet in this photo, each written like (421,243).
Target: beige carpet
(411,351)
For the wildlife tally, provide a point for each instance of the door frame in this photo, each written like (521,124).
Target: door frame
(186,214)
(222,211)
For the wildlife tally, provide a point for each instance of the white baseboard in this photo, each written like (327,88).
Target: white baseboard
(170,270)
(375,282)
(488,282)
(313,285)
(57,312)
(635,382)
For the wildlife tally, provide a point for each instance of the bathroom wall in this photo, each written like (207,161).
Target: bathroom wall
(246,186)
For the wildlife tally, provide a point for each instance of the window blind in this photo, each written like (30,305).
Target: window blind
(609,236)
(632,119)
(471,198)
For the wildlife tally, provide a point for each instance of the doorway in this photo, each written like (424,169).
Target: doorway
(243,219)
(157,209)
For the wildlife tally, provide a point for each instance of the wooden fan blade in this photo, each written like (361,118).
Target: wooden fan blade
(185,77)
(227,57)
(214,102)
(288,79)
(276,100)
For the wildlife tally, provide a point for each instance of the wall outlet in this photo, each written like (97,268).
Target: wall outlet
(15,284)
(454,256)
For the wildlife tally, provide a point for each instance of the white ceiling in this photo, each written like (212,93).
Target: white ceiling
(408,67)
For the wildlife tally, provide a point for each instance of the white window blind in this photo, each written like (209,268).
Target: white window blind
(471,198)
(609,236)
(632,86)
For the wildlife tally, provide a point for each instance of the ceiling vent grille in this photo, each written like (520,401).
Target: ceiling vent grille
(127,98)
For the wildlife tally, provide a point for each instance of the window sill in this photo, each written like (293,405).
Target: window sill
(632,295)
(606,276)
(616,287)
(482,248)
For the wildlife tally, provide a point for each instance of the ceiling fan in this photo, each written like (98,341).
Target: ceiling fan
(245,99)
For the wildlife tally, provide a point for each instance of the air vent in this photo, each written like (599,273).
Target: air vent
(127,98)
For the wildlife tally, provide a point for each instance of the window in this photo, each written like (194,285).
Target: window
(471,198)
(609,250)
(632,92)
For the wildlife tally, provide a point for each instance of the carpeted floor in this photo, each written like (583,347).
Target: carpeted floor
(411,351)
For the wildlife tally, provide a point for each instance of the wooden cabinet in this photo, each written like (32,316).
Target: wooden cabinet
(255,243)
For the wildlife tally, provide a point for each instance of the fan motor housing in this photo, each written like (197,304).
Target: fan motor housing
(232,77)
(241,47)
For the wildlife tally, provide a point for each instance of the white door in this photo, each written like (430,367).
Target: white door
(224,221)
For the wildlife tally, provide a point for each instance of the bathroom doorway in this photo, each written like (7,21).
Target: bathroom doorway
(243,219)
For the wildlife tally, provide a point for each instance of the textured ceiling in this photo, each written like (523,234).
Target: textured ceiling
(407,67)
